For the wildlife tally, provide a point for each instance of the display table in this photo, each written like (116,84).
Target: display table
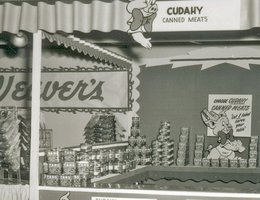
(14,192)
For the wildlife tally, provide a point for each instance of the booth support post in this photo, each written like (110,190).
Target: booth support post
(35,115)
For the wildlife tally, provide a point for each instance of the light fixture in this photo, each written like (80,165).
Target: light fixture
(19,40)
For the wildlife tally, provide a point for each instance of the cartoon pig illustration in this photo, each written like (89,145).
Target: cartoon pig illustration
(221,127)
(143,14)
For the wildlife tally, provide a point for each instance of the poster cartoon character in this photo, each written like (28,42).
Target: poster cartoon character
(227,144)
(143,13)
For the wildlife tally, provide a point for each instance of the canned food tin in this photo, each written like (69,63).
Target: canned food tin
(139,141)
(198,154)
(66,180)
(120,167)
(55,168)
(116,167)
(199,146)
(94,155)
(144,150)
(97,169)
(163,138)
(111,167)
(156,144)
(182,146)
(52,180)
(53,156)
(143,139)
(234,163)
(128,150)
(224,162)
(184,138)
(214,162)
(154,163)
(131,140)
(69,156)
(252,163)
(45,168)
(44,179)
(200,138)
(243,163)
(165,124)
(138,161)
(137,150)
(197,162)
(83,167)
(135,121)
(164,132)
(180,162)
(135,131)
(205,162)
(170,144)
(112,153)
(253,146)
(181,154)
(254,139)
(253,154)
(185,131)
(83,156)
(69,168)
(76,181)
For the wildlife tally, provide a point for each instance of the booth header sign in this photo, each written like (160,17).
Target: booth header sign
(70,90)
(197,15)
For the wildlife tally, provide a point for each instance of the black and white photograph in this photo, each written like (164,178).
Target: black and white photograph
(129,100)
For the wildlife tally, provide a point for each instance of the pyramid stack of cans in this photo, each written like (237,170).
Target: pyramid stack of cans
(100,129)
(137,148)
(183,147)
(163,147)
(253,152)
(198,152)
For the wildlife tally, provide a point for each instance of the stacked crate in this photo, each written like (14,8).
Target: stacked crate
(163,147)
(253,152)
(198,152)
(137,148)
(183,147)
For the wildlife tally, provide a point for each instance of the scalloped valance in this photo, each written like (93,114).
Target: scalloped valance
(86,48)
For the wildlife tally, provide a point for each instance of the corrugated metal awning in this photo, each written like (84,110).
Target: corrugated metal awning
(75,16)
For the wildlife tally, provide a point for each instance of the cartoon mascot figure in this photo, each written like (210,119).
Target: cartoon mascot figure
(227,144)
(143,14)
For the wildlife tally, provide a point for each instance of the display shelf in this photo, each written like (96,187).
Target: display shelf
(197,174)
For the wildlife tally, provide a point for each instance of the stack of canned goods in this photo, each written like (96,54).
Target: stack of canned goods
(60,169)
(137,148)
(253,152)
(163,147)
(70,168)
(183,147)
(198,152)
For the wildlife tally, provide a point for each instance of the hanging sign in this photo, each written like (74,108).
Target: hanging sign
(197,15)
(70,89)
